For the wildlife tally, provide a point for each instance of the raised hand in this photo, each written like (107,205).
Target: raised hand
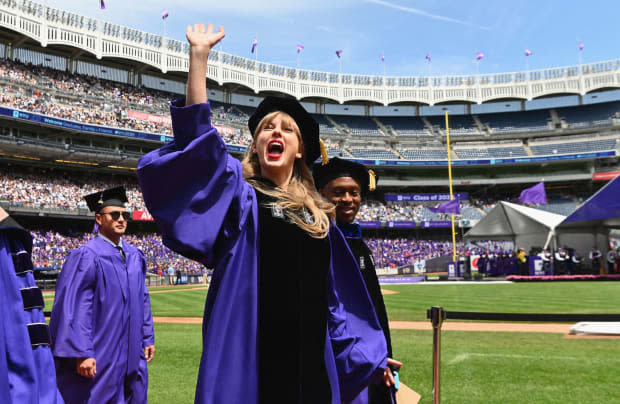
(203,39)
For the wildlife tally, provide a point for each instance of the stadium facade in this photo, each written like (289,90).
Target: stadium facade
(508,129)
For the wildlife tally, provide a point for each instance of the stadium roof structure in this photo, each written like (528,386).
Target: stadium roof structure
(600,212)
(52,27)
(526,227)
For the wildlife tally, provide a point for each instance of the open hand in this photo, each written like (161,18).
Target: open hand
(203,39)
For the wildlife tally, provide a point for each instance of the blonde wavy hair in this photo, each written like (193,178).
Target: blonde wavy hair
(301,194)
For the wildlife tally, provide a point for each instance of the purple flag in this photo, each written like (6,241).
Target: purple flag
(452,206)
(480,56)
(382,57)
(254,45)
(164,14)
(580,46)
(299,48)
(338,53)
(102,4)
(535,194)
(428,57)
(528,52)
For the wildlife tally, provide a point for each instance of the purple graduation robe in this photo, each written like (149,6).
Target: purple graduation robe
(206,211)
(27,373)
(102,311)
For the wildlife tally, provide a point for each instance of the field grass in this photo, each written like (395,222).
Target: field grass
(412,301)
(477,367)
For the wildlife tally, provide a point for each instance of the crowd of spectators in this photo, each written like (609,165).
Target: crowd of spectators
(51,248)
(60,190)
(90,100)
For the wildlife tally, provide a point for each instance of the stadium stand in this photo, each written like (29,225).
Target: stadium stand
(567,145)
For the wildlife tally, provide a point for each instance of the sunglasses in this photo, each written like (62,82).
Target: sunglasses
(117,215)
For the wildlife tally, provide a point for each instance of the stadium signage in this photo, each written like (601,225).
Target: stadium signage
(605,176)
(143,116)
(424,197)
(142,215)
(370,225)
(63,123)
(401,225)
(435,224)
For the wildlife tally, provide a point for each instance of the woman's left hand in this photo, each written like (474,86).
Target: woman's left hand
(388,377)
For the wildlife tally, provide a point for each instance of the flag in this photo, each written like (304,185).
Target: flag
(299,48)
(479,56)
(453,206)
(254,45)
(102,4)
(528,52)
(580,46)
(535,194)
(164,14)
(428,57)
(338,53)
(383,57)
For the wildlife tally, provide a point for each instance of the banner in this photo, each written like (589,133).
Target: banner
(225,130)
(142,215)
(143,116)
(605,176)
(370,225)
(424,197)
(473,262)
(400,225)
(436,224)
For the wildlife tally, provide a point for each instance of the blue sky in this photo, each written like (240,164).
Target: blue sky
(404,30)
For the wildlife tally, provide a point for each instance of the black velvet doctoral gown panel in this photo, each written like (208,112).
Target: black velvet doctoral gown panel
(293,311)
(377,393)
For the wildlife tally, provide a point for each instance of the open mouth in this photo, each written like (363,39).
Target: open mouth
(275,148)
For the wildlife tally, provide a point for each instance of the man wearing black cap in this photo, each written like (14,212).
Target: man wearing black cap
(27,373)
(101,324)
(344,183)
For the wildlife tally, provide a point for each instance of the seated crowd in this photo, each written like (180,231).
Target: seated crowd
(51,248)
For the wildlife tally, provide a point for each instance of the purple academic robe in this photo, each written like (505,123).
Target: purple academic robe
(206,211)
(27,373)
(102,311)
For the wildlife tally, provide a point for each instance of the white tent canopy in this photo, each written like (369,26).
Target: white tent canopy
(526,227)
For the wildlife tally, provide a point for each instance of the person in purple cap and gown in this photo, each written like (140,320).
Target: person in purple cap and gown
(101,323)
(344,183)
(287,317)
(27,373)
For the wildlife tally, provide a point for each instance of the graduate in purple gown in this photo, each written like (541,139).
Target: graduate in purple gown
(101,324)
(344,183)
(287,317)
(27,373)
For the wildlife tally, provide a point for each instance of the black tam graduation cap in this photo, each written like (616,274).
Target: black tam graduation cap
(337,167)
(307,125)
(109,197)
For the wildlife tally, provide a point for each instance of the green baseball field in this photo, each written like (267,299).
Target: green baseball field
(479,366)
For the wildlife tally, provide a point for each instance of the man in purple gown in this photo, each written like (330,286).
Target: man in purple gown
(344,183)
(101,324)
(27,373)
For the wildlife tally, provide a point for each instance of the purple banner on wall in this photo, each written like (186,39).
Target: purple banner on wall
(430,225)
(400,225)
(424,197)
(370,225)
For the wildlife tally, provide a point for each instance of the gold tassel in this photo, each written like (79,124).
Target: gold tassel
(324,155)
(372,180)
